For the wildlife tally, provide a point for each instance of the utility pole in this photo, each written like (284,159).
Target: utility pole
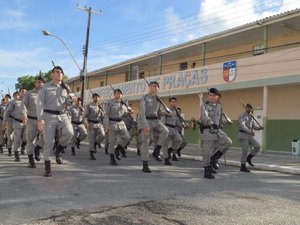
(83,72)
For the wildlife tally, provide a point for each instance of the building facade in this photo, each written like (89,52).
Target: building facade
(258,63)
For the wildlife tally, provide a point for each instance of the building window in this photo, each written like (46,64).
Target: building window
(101,83)
(183,66)
(258,50)
(77,89)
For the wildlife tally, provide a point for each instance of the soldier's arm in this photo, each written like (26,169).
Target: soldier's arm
(205,119)
(106,116)
(142,114)
(8,111)
(243,126)
(41,103)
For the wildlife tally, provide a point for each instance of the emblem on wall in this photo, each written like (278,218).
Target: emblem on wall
(229,71)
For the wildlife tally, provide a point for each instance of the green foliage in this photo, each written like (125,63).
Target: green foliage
(27,81)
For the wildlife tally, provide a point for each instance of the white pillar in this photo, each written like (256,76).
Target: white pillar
(265,119)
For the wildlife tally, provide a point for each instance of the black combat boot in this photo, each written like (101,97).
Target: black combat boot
(9,151)
(170,150)
(146,168)
(78,143)
(92,157)
(1,148)
(117,153)
(212,170)
(122,150)
(244,168)
(138,152)
(59,159)
(17,157)
(37,153)
(106,151)
(23,147)
(156,152)
(179,152)
(174,158)
(167,162)
(214,159)
(73,150)
(47,169)
(95,147)
(31,161)
(112,160)
(207,173)
(250,156)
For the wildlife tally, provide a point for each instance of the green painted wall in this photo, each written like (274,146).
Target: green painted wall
(280,134)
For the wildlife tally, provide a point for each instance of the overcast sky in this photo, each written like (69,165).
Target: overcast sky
(125,29)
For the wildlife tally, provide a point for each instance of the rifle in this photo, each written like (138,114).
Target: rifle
(122,102)
(158,99)
(251,114)
(182,121)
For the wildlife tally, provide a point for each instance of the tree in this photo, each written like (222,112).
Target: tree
(27,81)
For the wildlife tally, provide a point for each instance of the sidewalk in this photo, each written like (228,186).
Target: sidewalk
(271,161)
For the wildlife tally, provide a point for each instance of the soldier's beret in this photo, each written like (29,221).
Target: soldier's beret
(8,95)
(119,90)
(214,91)
(154,82)
(40,78)
(78,99)
(95,94)
(249,106)
(57,68)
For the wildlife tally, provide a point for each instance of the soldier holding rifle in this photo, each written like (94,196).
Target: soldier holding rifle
(246,136)
(211,134)
(150,110)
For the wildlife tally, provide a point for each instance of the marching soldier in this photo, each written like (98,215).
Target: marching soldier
(211,134)
(2,131)
(22,92)
(76,112)
(15,111)
(171,122)
(184,142)
(114,125)
(52,116)
(33,135)
(94,114)
(246,137)
(9,127)
(150,110)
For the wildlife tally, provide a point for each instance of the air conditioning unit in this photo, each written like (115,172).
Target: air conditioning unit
(259,49)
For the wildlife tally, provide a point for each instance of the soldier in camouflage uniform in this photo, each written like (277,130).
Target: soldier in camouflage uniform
(246,137)
(150,111)
(94,114)
(114,125)
(52,116)
(76,112)
(211,134)
(33,136)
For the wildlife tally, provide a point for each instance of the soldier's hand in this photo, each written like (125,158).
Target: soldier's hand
(252,133)
(24,119)
(106,130)
(41,125)
(146,130)
(4,125)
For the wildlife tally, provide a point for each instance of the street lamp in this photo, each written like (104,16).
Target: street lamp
(82,71)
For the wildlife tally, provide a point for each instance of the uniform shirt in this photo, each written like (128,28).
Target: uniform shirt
(30,102)
(149,107)
(114,110)
(14,109)
(76,113)
(94,112)
(211,114)
(2,110)
(172,119)
(246,123)
(52,97)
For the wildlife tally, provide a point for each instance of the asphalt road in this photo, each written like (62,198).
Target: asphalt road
(82,191)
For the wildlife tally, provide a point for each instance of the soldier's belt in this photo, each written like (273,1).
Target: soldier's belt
(242,131)
(18,120)
(115,119)
(170,125)
(94,121)
(151,117)
(32,117)
(54,112)
(77,123)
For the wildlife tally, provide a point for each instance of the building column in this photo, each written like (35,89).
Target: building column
(265,119)
(266,38)
(106,77)
(203,53)
(129,72)
(160,64)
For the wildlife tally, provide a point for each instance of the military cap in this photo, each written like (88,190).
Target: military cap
(154,82)
(213,91)
(95,94)
(119,90)
(249,106)
(78,99)
(40,78)
(57,68)
(8,95)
